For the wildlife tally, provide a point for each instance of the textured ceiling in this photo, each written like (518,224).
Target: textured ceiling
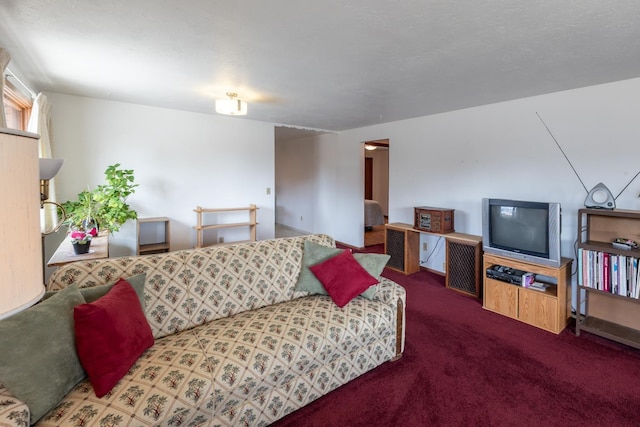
(329,64)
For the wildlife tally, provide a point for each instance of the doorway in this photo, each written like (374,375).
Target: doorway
(376,190)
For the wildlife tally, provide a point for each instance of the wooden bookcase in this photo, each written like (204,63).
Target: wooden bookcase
(549,310)
(153,235)
(201,227)
(601,312)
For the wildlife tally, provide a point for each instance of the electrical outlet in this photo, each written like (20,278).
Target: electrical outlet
(300,218)
(424,246)
(268,190)
(220,239)
(444,266)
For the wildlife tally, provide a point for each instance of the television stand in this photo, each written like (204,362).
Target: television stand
(548,309)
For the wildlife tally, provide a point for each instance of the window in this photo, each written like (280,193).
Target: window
(17,107)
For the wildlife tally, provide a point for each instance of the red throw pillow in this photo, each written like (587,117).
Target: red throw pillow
(111,334)
(343,277)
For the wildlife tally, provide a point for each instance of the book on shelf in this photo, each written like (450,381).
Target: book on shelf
(538,286)
(608,272)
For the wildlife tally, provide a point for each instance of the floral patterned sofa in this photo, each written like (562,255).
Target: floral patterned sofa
(235,344)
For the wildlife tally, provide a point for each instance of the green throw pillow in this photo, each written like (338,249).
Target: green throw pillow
(374,264)
(38,360)
(93,293)
(314,254)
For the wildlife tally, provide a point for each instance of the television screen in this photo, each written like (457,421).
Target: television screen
(522,229)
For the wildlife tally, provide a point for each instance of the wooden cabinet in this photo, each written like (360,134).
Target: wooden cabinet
(201,227)
(153,235)
(549,309)
(463,256)
(608,307)
(464,260)
(402,243)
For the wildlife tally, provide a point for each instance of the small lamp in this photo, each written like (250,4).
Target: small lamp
(231,106)
(48,169)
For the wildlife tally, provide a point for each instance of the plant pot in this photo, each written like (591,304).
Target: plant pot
(81,248)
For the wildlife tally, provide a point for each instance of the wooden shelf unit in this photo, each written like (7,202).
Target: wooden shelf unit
(549,310)
(606,314)
(200,227)
(463,256)
(160,226)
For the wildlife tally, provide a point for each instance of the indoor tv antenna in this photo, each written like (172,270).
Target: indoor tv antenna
(599,197)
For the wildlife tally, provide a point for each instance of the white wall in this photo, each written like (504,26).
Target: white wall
(448,160)
(321,179)
(503,150)
(296,177)
(180,159)
(455,159)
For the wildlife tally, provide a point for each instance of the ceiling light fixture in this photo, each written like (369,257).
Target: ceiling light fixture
(369,147)
(231,106)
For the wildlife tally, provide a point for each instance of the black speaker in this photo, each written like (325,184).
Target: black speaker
(394,246)
(464,265)
(402,242)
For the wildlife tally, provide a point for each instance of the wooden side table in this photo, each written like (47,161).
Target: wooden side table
(65,254)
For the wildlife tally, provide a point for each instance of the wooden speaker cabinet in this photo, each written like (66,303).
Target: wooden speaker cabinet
(464,263)
(402,242)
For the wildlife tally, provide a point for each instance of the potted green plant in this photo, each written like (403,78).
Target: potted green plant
(113,210)
(106,206)
(80,213)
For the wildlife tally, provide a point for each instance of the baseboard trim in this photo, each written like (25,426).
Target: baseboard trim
(348,246)
(431,270)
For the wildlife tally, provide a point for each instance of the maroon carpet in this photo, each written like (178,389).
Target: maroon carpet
(465,366)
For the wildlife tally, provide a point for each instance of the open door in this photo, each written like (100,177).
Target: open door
(376,190)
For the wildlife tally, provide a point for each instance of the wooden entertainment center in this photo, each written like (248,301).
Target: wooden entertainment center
(608,309)
(549,309)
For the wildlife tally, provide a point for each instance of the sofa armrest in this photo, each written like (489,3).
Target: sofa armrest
(13,412)
(389,292)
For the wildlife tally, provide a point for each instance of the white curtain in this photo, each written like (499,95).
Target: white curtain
(39,123)
(4,61)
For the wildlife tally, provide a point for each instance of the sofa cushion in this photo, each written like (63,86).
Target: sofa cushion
(38,361)
(93,293)
(111,334)
(374,264)
(343,278)
(190,287)
(315,253)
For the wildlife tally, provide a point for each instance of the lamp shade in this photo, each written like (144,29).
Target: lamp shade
(21,281)
(49,168)
(232,106)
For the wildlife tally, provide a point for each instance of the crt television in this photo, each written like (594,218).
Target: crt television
(523,230)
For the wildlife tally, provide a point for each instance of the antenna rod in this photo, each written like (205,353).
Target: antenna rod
(565,156)
(625,187)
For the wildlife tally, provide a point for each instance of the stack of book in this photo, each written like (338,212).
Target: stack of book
(608,272)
